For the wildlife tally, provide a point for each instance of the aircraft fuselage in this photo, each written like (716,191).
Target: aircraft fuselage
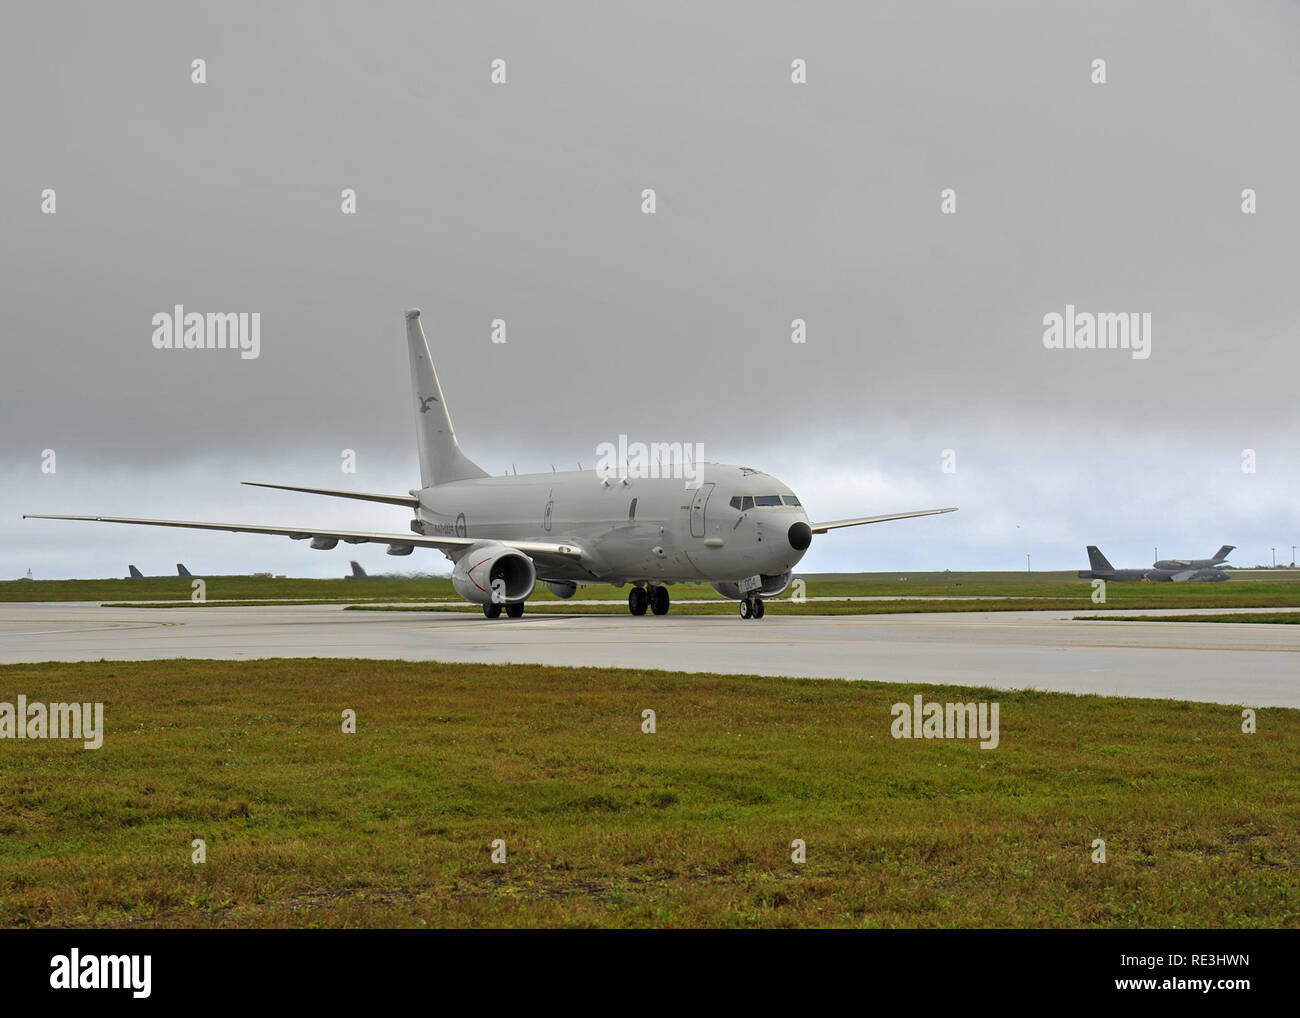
(631,529)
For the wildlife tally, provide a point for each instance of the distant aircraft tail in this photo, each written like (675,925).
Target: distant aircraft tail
(1098,561)
(1223,553)
(357,572)
(181,570)
(135,573)
(440,457)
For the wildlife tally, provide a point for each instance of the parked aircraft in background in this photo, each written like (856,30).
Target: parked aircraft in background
(135,573)
(181,570)
(357,572)
(740,529)
(1163,571)
(1180,564)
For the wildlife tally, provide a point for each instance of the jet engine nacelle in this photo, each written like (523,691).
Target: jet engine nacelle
(493,573)
(561,589)
(772,586)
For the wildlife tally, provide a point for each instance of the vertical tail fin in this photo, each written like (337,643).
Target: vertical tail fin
(181,570)
(357,572)
(135,573)
(440,457)
(1098,561)
(1223,553)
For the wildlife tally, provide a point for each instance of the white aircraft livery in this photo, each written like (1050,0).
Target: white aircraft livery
(739,529)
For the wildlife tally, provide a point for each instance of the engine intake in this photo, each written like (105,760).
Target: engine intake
(494,574)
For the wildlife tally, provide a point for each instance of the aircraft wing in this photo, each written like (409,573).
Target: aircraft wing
(407,500)
(346,536)
(1183,575)
(821,528)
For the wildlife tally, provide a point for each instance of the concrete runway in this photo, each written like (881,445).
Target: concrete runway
(1256,665)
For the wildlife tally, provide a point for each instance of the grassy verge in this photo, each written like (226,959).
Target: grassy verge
(1280,618)
(607,826)
(781,606)
(1035,591)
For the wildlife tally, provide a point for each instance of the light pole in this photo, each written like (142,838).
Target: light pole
(1293,556)
(1274,551)
(1027,569)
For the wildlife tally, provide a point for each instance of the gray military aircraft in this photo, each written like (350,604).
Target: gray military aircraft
(1170,570)
(1177,565)
(739,529)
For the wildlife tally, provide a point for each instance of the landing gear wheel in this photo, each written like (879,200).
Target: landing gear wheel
(515,609)
(659,600)
(637,600)
(746,609)
(492,611)
(760,609)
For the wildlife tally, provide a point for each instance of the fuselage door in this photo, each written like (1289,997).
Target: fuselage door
(697,509)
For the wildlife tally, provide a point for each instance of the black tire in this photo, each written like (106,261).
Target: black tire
(746,610)
(637,600)
(515,609)
(492,611)
(659,600)
(760,609)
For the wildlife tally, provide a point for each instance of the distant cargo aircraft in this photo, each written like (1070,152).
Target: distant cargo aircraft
(135,573)
(1177,564)
(181,570)
(736,528)
(1163,571)
(357,572)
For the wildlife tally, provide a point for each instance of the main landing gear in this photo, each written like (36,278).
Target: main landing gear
(752,608)
(514,610)
(655,598)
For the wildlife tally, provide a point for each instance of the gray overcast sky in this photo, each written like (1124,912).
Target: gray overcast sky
(776,201)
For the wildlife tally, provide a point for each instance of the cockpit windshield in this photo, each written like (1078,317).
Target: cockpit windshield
(745,502)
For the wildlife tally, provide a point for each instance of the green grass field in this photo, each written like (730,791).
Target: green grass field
(1020,591)
(608,827)
(1276,618)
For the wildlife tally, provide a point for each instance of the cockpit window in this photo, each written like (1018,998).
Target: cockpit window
(789,500)
(747,502)
(767,500)
(735,501)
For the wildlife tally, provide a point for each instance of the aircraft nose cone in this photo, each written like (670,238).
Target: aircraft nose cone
(799,535)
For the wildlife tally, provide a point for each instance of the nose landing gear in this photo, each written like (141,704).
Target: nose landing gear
(752,608)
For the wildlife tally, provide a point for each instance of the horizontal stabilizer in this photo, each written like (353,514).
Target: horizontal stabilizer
(364,496)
